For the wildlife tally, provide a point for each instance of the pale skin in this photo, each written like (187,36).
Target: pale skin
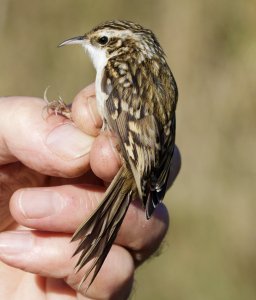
(47,189)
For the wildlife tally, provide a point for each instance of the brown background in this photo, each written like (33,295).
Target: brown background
(210,251)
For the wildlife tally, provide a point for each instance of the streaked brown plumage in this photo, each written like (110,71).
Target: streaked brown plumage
(136,95)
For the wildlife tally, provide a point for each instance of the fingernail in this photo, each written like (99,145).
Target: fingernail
(93,110)
(68,142)
(15,242)
(36,204)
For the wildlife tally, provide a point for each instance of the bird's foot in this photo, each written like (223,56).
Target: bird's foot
(57,107)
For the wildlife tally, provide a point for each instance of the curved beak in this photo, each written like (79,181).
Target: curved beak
(75,40)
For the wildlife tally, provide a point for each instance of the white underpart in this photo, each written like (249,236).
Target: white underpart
(99,60)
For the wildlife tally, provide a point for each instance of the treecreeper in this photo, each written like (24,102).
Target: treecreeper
(136,96)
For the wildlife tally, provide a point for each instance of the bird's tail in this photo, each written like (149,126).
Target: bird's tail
(99,231)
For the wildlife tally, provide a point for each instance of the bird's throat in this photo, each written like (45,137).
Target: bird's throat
(98,57)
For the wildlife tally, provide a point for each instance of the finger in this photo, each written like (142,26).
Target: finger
(57,289)
(12,177)
(85,113)
(61,209)
(104,159)
(51,145)
(50,255)
(141,236)
(57,209)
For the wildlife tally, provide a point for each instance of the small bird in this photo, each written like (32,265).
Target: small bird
(136,96)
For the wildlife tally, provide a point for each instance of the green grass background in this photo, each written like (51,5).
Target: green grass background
(210,249)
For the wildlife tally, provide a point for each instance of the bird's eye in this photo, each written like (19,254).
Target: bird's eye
(103,40)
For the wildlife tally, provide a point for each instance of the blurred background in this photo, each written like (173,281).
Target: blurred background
(210,250)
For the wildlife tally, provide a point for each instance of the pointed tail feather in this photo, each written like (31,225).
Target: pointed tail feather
(99,231)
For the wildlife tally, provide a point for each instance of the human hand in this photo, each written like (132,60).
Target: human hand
(45,174)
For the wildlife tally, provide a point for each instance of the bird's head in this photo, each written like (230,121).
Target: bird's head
(117,38)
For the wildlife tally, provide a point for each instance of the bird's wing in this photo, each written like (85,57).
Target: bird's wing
(132,112)
(138,142)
